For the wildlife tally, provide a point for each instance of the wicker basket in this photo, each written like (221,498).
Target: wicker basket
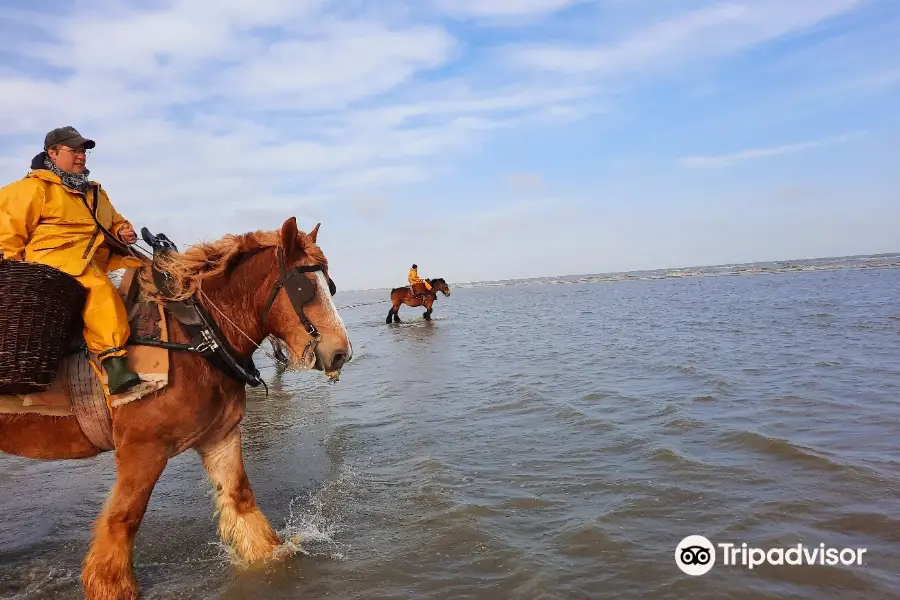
(40,312)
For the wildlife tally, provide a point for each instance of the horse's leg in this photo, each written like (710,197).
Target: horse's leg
(242,526)
(428,302)
(108,572)
(396,309)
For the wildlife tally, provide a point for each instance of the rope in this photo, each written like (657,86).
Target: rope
(211,303)
(361,304)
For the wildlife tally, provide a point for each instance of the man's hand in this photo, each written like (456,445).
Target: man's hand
(127,234)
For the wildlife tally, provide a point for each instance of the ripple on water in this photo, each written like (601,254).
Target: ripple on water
(589,541)
(805,457)
(34,582)
(782,450)
(685,425)
(875,525)
(705,399)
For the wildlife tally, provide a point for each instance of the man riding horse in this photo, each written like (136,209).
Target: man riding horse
(414,278)
(56,216)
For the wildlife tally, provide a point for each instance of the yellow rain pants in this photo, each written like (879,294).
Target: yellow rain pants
(105,322)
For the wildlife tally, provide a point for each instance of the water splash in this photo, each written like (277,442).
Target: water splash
(315,521)
(312,524)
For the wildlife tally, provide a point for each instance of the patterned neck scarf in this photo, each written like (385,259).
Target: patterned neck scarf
(76,181)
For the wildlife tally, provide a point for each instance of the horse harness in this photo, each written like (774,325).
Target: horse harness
(425,294)
(207,338)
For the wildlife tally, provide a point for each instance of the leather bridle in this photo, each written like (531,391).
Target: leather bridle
(300,290)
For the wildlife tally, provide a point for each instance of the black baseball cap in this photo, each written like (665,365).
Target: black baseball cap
(67,136)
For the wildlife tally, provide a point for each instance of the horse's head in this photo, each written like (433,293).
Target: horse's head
(440,285)
(264,283)
(299,310)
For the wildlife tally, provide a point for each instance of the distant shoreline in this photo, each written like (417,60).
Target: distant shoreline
(887,260)
(671,274)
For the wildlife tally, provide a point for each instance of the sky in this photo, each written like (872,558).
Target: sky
(480,139)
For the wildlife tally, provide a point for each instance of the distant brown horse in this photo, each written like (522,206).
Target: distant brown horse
(421,297)
(249,284)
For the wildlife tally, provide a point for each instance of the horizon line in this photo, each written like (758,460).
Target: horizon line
(602,273)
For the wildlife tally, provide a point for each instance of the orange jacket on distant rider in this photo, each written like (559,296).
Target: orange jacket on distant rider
(414,278)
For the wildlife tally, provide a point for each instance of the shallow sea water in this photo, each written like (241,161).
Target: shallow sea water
(538,441)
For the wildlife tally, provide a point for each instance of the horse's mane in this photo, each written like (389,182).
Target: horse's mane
(208,260)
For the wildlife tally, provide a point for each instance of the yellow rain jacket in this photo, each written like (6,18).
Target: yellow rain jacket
(414,278)
(43,221)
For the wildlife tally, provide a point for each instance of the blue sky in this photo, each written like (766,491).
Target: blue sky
(482,139)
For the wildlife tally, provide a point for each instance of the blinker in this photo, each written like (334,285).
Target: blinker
(303,289)
(300,290)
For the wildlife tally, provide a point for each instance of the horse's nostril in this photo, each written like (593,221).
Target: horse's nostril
(338,359)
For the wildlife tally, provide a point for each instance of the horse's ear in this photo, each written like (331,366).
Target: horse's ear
(289,236)
(315,231)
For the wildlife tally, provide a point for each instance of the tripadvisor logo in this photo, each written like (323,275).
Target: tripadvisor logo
(695,555)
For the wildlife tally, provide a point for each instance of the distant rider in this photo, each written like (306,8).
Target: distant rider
(414,278)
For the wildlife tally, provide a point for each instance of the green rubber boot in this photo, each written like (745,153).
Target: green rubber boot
(120,378)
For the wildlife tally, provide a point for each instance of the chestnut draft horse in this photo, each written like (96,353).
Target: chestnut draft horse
(422,297)
(240,280)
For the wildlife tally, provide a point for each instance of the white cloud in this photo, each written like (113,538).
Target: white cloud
(710,31)
(725,160)
(138,44)
(350,62)
(197,108)
(503,8)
